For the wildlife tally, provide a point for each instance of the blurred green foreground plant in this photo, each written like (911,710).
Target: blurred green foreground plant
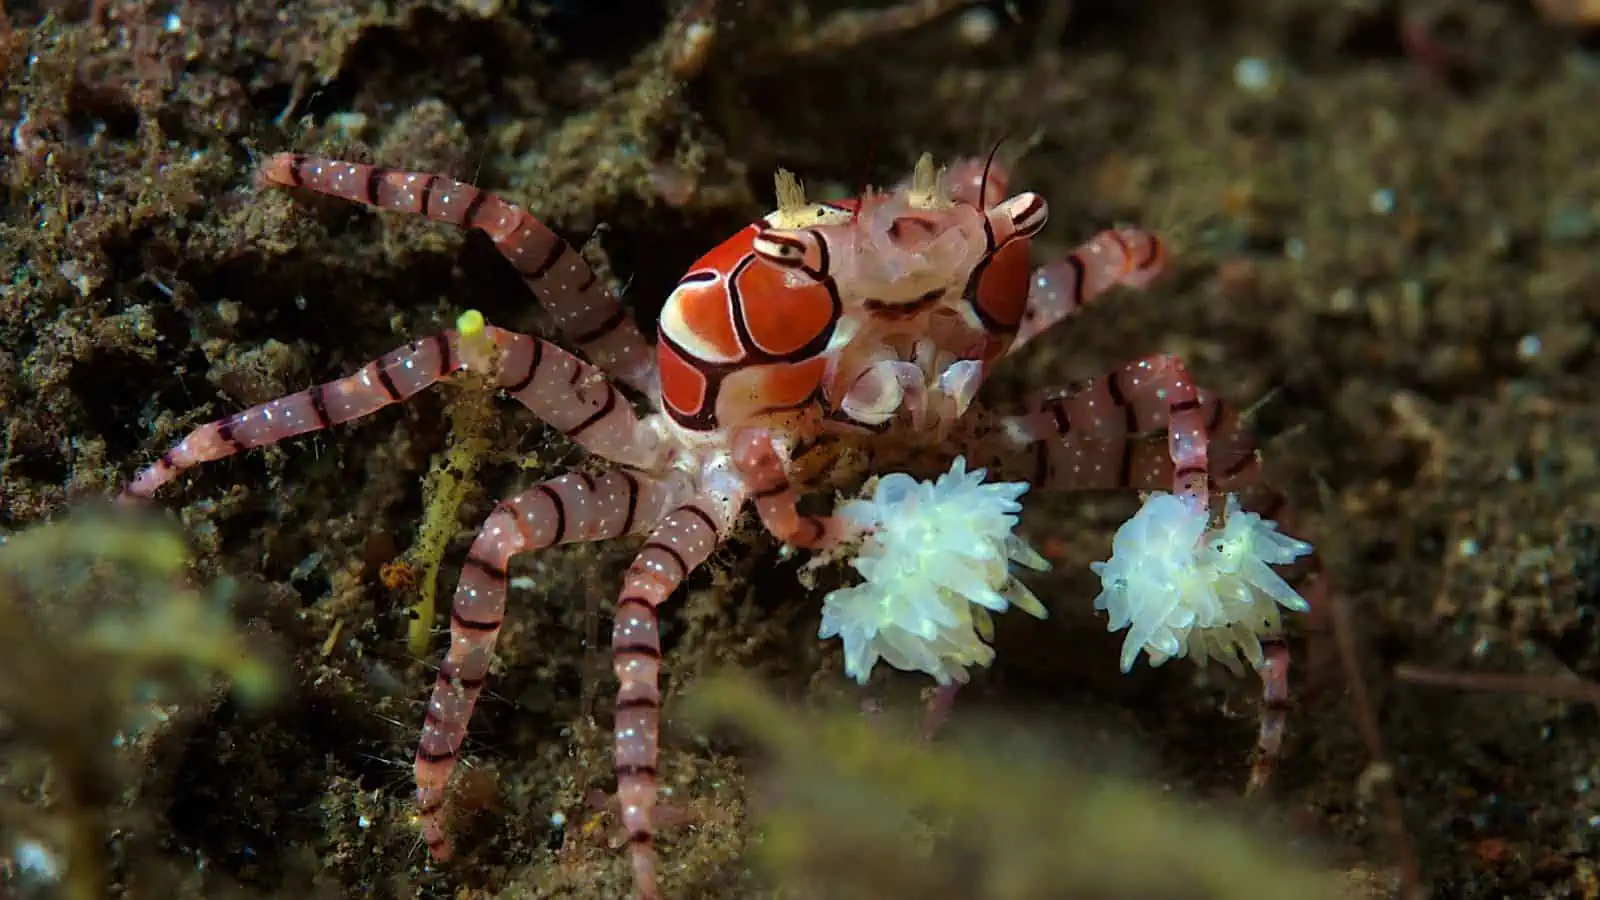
(850,810)
(98,630)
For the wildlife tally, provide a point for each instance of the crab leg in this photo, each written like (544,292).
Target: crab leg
(574,398)
(756,459)
(557,386)
(1310,582)
(583,308)
(1147,396)
(572,508)
(1129,257)
(1119,451)
(1084,442)
(684,539)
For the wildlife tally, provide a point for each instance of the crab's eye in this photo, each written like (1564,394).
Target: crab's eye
(805,250)
(1028,213)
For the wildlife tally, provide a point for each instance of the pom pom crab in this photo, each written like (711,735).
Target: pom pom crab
(860,329)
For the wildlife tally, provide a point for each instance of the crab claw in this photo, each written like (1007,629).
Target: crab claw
(883,390)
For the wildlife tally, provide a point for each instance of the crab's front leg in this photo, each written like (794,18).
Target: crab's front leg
(930,398)
(584,309)
(1120,257)
(685,538)
(573,508)
(759,464)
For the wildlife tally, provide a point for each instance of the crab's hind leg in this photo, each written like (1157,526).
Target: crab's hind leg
(1310,581)
(392,378)
(572,508)
(683,540)
(1093,438)
(556,386)
(585,310)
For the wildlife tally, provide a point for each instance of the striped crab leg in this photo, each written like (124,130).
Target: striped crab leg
(1095,437)
(1126,257)
(573,508)
(679,545)
(1150,395)
(1309,580)
(556,386)
(756,459)
(1093,443)
(584,309)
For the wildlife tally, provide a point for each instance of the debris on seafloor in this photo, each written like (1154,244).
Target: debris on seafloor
(103,637)
(1583,13)
(849,810)
(450,479)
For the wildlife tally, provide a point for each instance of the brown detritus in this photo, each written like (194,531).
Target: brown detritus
(1571,690)
(690,38)
(398,575)
(1571,12)
(848,29)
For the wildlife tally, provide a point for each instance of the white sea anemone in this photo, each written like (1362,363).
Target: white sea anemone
(936,558)
(1182,588)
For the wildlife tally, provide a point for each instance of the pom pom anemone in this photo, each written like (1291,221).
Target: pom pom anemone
(936,558)
(1182,588)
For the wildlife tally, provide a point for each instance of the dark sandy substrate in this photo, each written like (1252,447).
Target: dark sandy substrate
(1386,220)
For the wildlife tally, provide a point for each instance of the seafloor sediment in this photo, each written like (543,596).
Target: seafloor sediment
(1385,219)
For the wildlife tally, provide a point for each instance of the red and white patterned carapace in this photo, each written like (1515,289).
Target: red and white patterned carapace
(865,326)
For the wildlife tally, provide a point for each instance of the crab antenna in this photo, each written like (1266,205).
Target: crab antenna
(983,183)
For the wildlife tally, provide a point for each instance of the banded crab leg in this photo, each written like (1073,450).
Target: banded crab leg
(1150,395)
(584,309)
(1093,444)
(573,508)
(679,545)
(1084,443)
(556,386)
(1126,257)
(756,459)
(1311,582)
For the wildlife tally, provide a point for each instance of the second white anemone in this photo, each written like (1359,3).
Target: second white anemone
(1184,588)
